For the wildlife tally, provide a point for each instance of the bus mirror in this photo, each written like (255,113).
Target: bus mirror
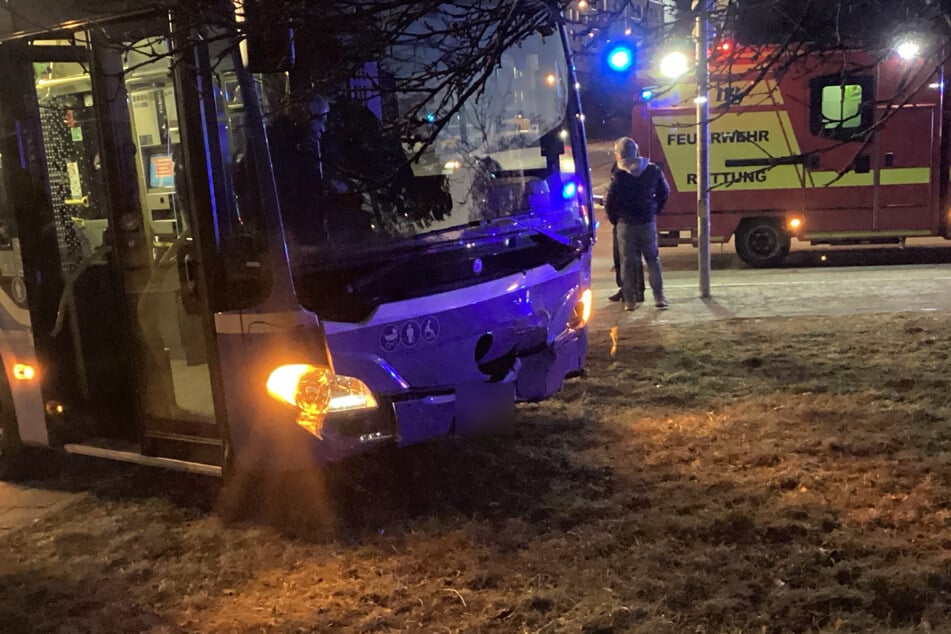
(268,40)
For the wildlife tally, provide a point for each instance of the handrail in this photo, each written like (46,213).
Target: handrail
(68,298)
(67,302)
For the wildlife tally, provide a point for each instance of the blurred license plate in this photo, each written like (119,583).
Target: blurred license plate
(485,408)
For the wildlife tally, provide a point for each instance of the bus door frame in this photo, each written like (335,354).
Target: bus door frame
(173,438)
(27,182)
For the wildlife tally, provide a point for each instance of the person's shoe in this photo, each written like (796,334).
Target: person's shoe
(661,304)
(616,297)
(630,307)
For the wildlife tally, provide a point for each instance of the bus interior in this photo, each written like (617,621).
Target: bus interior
(121,324)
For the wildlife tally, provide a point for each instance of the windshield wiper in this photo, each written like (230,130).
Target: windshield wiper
(573,243)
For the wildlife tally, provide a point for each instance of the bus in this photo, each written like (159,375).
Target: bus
(164,300)
(848,148)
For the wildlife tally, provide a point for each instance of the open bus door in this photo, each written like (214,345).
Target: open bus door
(115,283)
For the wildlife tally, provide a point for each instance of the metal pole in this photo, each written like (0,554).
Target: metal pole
(703,146)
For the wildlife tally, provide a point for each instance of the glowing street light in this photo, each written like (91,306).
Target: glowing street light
(674,65)
(908,49)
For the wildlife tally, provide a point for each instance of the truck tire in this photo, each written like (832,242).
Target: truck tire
(761,242)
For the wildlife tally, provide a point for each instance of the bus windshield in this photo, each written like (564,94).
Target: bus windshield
(392,155)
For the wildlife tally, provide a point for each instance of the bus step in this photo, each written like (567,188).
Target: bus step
(182,447)
(129,455)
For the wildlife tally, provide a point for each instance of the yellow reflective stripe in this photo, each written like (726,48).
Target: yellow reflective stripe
(772,89)
(786,126)
(905,175)
(682,93)
(732,136)
(888,176)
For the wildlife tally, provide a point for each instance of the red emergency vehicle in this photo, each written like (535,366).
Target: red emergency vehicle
(844,149)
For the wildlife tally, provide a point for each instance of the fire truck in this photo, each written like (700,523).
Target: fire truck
(843,149)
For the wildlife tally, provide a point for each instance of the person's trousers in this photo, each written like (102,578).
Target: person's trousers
(635,241)
(638,273)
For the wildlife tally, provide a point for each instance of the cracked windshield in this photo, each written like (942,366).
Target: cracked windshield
(354,177)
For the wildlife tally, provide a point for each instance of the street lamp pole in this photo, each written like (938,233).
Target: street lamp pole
(703,145)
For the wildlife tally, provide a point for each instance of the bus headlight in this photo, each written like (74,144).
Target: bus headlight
(316,391)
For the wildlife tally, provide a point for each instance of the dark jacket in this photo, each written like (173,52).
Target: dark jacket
(636,196)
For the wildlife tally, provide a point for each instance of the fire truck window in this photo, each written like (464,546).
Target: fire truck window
(841,106)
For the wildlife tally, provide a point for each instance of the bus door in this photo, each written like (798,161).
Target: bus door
(130,330)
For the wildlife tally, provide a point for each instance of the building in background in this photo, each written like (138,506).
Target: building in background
(599,27)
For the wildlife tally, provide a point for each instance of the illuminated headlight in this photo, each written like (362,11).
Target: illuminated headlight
(316,391)
(582,311)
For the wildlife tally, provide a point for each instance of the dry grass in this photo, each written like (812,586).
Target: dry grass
(740,476)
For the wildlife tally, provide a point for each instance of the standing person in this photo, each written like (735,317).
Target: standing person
(637,193)
(294,134)
(616,256)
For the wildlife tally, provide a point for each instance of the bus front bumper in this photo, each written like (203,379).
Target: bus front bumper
(467,409)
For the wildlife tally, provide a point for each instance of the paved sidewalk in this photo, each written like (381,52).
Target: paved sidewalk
(781,293)
(21,505)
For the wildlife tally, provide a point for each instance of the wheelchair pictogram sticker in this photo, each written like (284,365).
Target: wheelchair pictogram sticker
(409,333)
(430,329)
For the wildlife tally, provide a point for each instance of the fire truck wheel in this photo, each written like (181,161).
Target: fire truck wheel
(761,242)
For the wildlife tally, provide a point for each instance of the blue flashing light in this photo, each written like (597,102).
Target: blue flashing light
(569,190)
(647,94)
(431,118)
(620,58)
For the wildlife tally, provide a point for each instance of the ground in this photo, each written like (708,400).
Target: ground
(780,475)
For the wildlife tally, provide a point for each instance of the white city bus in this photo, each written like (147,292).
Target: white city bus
(164,301)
